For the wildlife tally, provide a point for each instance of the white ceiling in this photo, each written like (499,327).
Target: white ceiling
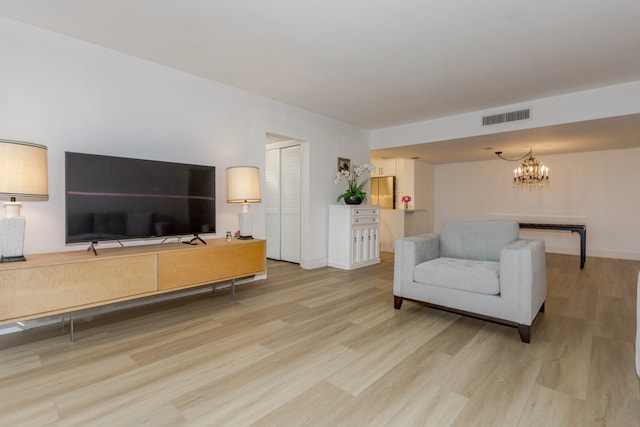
(379,63)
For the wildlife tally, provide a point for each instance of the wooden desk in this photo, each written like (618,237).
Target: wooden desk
(581,229)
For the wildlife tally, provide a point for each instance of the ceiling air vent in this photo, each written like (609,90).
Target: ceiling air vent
(511,116)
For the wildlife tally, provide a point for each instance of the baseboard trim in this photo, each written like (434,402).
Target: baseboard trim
(312,264)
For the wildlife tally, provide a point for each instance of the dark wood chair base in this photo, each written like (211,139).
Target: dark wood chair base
(525,333)
(523,330)
(397,302)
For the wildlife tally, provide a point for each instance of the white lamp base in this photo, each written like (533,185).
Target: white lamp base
(245,218)
(12,238)
(12,233)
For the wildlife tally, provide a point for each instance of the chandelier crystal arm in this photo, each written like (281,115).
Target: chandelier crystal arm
(499,154)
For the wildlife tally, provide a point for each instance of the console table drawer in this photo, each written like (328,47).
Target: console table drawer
(211,264)
(365,211)
(364,220)
(59,288)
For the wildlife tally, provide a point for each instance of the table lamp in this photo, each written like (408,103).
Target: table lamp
(243,186)
(23,175)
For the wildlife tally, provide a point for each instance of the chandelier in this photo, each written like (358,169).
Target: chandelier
(530,174)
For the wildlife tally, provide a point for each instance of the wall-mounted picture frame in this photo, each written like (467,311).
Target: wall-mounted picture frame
(344,164)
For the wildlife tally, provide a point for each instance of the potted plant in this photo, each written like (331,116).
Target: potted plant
(354,194)
(406,200)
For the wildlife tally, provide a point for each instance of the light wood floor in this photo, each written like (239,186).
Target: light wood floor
(326,348)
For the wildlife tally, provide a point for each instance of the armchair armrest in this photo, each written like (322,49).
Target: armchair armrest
(412,251)
(523,276)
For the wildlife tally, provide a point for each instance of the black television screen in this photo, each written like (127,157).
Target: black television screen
(116,198)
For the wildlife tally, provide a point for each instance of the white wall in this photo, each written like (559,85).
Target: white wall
(599,189)
(74,96)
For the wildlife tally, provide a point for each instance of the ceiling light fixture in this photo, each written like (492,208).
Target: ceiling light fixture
(531,174)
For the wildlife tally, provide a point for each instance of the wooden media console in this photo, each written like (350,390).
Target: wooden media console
(64,282)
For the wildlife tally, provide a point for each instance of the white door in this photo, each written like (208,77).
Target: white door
(272,202)
(283,198)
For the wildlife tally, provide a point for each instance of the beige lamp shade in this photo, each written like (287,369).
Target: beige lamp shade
(23,170)
(243,184)
(23,175)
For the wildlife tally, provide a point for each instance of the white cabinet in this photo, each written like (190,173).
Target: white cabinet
(384,167)
(354,236)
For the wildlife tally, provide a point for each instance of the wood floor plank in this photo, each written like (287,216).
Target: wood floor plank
(613,397)
(141,413)
(332,295)
(547,407)
(569,356)
(175,376)
(193,343)
(24,392)
(307,335)
(500,399)
(398,393)
(371,312)
(562,284)
(36,413)
(268,388)
(19,362)
(387,350)
(315,407)
(455,336)
(476,361)
(328,314)
(405,395)
(432,407)
(583,301)
(615,318)
(611,280)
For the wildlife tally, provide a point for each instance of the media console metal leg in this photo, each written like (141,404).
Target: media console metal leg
(71,326)
(233,289)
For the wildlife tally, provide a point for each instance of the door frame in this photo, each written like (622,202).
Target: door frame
(276,141)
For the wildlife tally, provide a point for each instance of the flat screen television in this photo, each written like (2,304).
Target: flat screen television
(114,198)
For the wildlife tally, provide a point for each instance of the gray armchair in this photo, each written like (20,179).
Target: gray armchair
(476,268)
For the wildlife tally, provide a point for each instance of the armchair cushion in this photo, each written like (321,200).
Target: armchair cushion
(478,240)
(467,275)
